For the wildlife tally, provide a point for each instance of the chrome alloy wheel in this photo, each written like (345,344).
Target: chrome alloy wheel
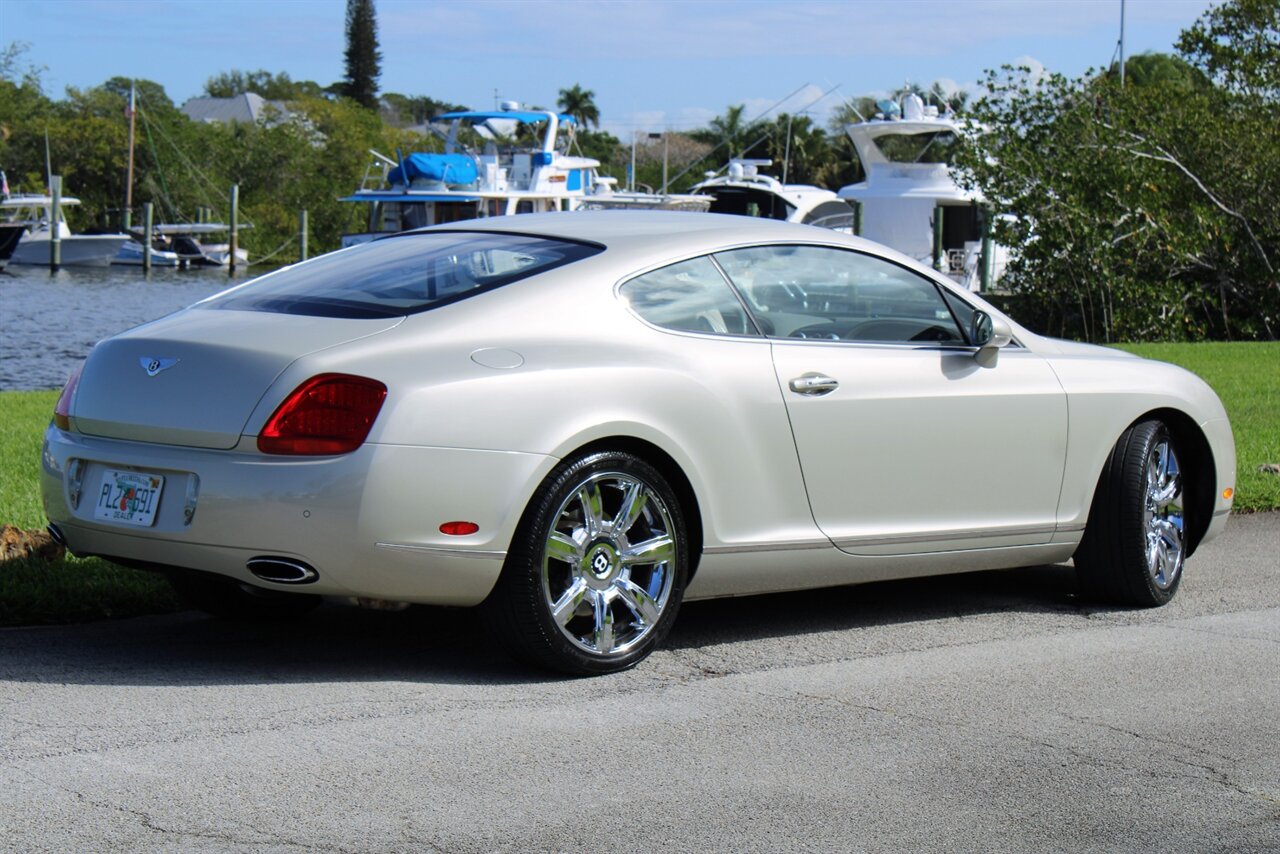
(608,563)
(1162,515)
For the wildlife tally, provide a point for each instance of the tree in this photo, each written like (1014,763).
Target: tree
(364,60)
(273,87)
(1141,213)
(404,110)
(580,103)
(799,149)
(1149,68)
(1238,45)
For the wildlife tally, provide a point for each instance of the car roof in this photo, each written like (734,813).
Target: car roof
(635,239)
(633,229)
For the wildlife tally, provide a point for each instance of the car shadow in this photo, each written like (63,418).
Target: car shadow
(1036,589)
(449,646)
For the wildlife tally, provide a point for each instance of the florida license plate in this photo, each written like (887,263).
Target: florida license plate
(129,497)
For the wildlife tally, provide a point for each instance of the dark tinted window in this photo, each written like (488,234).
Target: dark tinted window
(402,275)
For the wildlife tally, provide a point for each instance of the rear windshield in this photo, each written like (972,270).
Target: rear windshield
(402,275)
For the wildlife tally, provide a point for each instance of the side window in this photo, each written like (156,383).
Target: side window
(690,296)
(838,295)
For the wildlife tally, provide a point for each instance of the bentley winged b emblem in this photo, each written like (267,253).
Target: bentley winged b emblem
(155,366)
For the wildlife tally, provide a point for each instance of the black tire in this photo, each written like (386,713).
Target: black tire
(232,600)
(1134,545)
(615,606)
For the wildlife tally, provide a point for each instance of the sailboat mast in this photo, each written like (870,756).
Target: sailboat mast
(128,181)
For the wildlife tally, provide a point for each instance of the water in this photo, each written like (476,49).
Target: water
(50,321)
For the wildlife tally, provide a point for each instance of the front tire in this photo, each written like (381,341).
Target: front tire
(1135,545)
(597,570)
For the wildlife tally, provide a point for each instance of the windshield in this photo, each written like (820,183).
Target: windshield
(402,275)
(930,147)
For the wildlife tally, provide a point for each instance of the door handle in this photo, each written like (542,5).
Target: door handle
(814,384)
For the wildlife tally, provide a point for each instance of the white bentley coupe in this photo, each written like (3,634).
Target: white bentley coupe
(577,420)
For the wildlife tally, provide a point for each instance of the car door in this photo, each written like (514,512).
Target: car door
(906,442)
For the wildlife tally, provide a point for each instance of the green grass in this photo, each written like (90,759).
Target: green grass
(72,589)
(1247,378)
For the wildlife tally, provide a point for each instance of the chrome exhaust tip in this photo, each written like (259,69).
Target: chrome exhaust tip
(282,570)
(56,533)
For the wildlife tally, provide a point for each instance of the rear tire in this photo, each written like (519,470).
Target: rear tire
(597,569)
(1134,546)
(233,600)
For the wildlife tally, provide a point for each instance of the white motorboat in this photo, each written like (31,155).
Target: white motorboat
(484,171)
(35,212)
(905,153)
(605,196)
(745,191)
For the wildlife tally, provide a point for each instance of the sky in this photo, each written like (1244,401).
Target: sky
(653,64)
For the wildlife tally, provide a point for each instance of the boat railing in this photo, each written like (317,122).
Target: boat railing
(375,173)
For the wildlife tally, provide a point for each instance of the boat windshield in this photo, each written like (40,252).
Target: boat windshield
(402,275)
(930,147)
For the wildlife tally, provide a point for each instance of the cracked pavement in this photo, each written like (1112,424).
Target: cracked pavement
(989,711)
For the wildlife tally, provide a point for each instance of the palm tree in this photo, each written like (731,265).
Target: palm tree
(732,132)
(580,103)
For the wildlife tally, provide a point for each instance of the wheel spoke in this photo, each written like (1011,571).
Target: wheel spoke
(1168,532)
(563,547)
(565,607)
(633,504)
(660,549)
(638,601)
(603,635)
(1162,462)
(1171,490)
(592,509)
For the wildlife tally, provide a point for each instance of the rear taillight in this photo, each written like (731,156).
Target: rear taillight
(62,409)
(327,414)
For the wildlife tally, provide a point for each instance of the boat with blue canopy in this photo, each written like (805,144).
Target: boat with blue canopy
(494,163)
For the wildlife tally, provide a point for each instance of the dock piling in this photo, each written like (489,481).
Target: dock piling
(55,220)
(235,225)
(148,222)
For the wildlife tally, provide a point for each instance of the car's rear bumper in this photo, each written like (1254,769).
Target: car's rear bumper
(367,522)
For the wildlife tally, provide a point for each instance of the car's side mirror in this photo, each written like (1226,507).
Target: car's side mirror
(988,334)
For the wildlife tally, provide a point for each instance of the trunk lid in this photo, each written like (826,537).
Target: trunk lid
(194,378)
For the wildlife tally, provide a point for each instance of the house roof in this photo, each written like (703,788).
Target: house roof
(247,107)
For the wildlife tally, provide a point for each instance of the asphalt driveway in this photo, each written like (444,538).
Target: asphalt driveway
(989,711)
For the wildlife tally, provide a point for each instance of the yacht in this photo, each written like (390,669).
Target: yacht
(35,212)
(495,163)
(744,190)
(905,153)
